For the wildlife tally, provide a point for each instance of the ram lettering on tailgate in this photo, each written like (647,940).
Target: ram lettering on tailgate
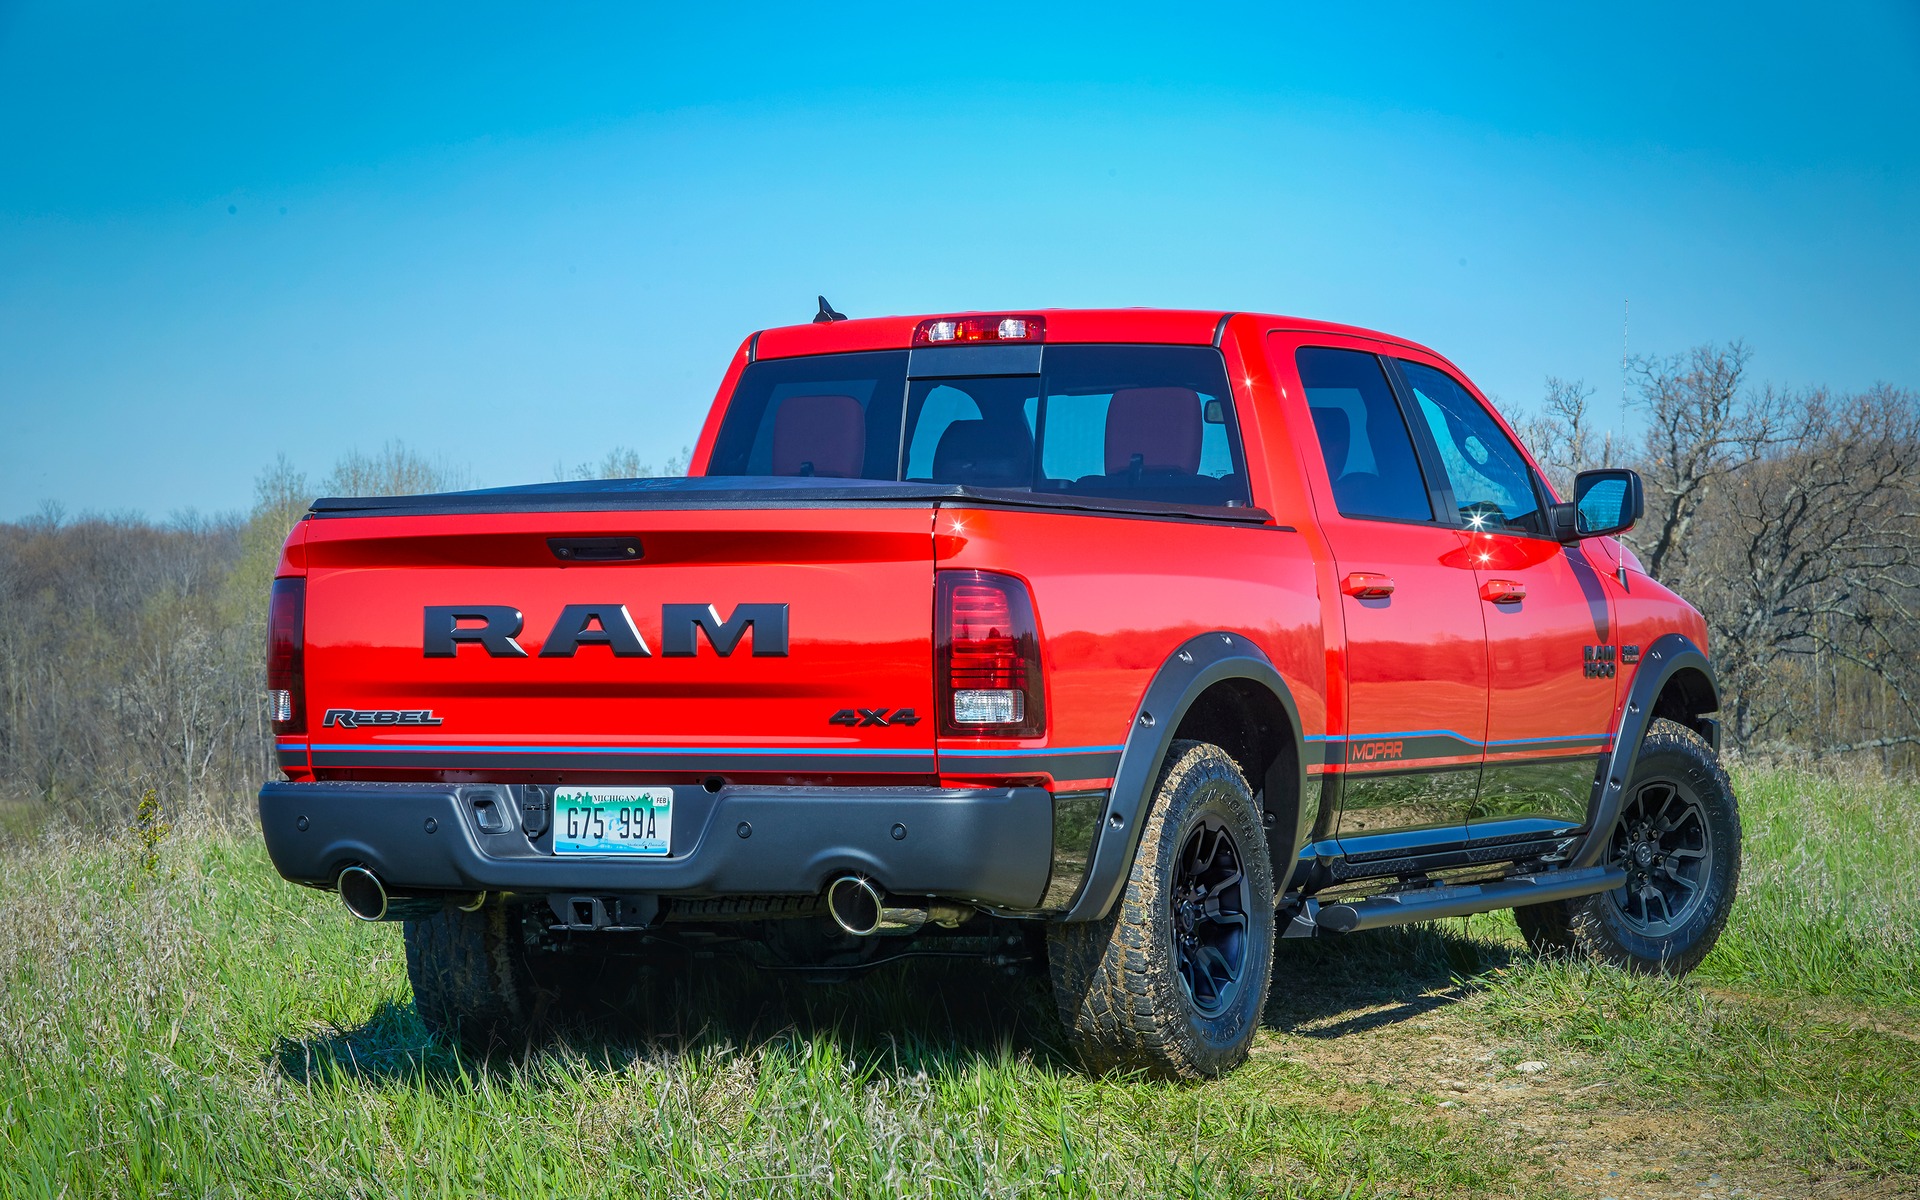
(496,629)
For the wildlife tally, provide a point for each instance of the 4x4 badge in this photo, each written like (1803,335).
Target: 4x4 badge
(874,716)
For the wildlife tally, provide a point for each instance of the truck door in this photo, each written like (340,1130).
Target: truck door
(1548,627)
(1414,660)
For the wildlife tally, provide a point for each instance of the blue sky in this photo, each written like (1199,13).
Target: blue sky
(516,236)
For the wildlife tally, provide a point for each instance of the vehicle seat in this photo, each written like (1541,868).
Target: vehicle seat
(1336,442)
(1153,447)
(1153,433)
(984,454)
(820,435)
(1336,439)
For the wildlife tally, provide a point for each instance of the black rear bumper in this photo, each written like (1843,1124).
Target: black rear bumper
(993,846)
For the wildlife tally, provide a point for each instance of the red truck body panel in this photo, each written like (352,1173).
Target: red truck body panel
(857,583)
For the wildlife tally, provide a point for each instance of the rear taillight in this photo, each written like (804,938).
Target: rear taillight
(989,657)
(287,655)
(940,331)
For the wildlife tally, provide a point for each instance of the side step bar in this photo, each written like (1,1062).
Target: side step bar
(1432,903)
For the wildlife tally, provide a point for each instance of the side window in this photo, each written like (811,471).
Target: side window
(1491,482)
(1363,436)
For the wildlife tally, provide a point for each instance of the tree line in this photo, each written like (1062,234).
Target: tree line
(1792,520)
(132,651)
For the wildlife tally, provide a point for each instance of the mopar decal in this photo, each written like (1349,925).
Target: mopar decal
(354,718)
(496,629)
(1375,751)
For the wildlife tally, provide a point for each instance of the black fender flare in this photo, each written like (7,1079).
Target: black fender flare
(1198,664)
(1669,654)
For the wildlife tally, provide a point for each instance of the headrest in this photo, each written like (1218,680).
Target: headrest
(984,453)
(820,435)
(1160,424)
(1336,438)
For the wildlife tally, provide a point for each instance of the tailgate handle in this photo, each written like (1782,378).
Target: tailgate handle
(595,549)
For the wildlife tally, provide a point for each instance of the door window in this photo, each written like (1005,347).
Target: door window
(1491,483)
(1363,436)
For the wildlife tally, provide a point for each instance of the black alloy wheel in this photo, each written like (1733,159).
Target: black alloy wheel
(1666,845)
(1173,979)
(1209,905)
(1678,838)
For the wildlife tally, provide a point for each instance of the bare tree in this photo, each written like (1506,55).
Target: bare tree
(1817,553)
(623,462)
(1791,519)
(1562,437)
(393,471)
(1701,428)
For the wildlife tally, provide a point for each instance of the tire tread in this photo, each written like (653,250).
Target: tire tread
(1114,984)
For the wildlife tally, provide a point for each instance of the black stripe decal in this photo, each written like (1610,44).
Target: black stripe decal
(520,760)
(1090,764)
(1391,748)
(1084,765)
(1416,748)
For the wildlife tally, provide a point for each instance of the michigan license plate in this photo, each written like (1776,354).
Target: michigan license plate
(610,820)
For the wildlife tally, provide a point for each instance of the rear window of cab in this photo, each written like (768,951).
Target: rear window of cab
(1126,422)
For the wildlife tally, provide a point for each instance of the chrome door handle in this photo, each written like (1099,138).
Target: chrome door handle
(1367,585)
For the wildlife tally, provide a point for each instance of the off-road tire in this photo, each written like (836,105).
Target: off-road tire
(487,980)
(1596,926)
(1117,980)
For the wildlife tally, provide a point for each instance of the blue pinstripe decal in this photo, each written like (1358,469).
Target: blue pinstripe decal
(1038,751)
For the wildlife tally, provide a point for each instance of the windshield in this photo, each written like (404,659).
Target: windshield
(1130,422)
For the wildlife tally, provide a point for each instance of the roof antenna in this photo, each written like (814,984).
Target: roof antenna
(826,313)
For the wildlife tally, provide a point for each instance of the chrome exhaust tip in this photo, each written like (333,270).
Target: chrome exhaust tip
(363,893)
(860,908)
(855,905)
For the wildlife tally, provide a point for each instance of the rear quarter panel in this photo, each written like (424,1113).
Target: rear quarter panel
(1115,597)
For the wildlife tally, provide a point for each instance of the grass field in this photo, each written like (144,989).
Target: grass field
(199,1028)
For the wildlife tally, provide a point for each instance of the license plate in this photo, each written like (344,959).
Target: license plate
(610,820)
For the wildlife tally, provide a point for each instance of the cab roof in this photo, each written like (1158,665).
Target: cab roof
(1160,326)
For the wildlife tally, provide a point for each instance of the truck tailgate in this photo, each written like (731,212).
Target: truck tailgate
(764,643)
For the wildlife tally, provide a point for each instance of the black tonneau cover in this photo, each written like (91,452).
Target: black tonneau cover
(754,491)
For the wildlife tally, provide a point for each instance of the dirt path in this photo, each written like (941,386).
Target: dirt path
(1560,1124)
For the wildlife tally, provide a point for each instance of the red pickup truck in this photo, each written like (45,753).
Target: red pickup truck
(1132,639)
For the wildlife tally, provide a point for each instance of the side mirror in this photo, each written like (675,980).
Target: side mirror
(1605,502)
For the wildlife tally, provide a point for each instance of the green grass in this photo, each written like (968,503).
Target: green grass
(204,1029)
